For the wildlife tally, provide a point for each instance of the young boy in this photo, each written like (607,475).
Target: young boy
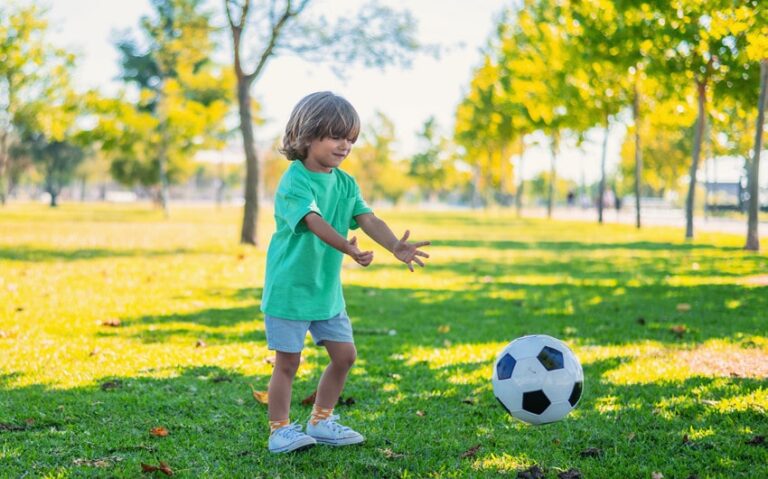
(315,206)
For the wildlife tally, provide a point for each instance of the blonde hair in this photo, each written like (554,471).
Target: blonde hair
(318,115)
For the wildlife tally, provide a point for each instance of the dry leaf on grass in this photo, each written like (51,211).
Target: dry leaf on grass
(112,323)
(533,472)
(260,396)
(159,431)
(309,400)
(471,452)
(683,307)
(570,474)
(162,467)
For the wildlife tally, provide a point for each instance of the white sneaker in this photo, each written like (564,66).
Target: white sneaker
(328,431)
(289,438)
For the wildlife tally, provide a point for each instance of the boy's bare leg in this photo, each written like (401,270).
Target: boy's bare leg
(335,375)
(280,385)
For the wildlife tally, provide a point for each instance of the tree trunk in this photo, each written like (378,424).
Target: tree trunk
(3,166)
(163,165)
(552,177)
(753,238)
(601,187)
(638,154)
(521,183)
(248,234)
(701,87)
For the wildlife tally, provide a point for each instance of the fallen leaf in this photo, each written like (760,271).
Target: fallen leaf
(631,436)
(270,360)
(19,309)
(309,400)
(11,427)
(683,307)
(443,328)
(533,472)
(112,323)
(420,413)
(389,454)
(260,396)
(163,467)
(200,344)
(114,384)
(591,452)
(471,452)
(346,402)
(679,330)
(240,257)
(100,462)
(657,475)
(570,474)
(94,352)
(159,431)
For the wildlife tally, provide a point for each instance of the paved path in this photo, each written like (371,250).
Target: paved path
(657,217)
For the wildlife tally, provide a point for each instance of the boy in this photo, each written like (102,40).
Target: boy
(315,205)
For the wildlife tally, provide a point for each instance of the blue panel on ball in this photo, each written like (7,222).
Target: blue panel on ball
(505,366)
(551,358)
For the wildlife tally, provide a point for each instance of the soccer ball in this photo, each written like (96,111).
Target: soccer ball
(537,379)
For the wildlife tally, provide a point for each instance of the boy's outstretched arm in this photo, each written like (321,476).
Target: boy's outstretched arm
(317,225)
(378,230)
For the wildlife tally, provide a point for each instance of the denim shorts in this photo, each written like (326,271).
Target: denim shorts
(287,335)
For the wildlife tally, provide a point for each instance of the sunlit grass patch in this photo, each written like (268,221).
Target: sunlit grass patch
(114,320)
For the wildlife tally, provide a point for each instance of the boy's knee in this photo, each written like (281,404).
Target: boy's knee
(288,364)
(346,360)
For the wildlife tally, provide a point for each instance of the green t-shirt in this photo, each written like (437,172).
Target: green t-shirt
(303,280)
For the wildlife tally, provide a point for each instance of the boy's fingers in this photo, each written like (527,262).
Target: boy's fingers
(422,254)
(418,262)
(422,243)
(405,235)
(353,240)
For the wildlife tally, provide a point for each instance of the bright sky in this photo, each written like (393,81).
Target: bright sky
(408,97)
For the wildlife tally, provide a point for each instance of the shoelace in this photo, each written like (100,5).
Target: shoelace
(334,426)
(291,431)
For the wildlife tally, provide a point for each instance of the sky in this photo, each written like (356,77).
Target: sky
(431,87)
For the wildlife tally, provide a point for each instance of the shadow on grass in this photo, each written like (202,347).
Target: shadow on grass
(579,246)
(29,254)
(416,418)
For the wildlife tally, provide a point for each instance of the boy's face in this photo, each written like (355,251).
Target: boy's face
(327,153)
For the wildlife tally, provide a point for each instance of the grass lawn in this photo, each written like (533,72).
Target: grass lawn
(114,321)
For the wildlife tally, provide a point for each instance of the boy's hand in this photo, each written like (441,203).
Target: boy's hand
(409,253)
(363,258)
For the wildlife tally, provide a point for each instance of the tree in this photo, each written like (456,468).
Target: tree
(426,167)
(27,63)
(376,36)
(372,162)
(186,95)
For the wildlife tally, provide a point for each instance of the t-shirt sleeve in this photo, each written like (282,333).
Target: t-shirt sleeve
(360,208)
(293,202)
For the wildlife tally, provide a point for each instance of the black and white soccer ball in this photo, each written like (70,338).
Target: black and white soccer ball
(537,379)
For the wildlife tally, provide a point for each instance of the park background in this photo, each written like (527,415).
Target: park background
(137,164)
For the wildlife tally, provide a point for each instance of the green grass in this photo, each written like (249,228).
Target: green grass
(79,398)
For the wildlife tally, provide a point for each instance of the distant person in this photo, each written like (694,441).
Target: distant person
(571,198)
(316,204)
